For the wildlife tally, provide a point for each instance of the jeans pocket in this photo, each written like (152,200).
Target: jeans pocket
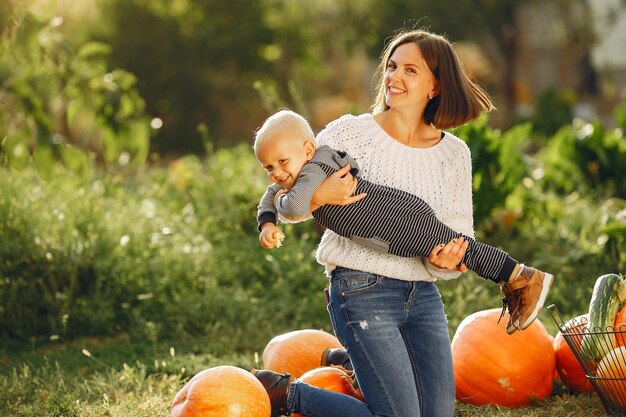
(352,284)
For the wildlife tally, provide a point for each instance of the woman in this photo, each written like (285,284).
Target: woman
(386,310)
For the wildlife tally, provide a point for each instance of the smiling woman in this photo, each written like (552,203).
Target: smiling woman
(385,309)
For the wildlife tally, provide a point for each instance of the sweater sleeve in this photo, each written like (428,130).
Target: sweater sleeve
(266,212)
(459,215)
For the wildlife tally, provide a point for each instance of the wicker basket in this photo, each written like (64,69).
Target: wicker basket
(603,364)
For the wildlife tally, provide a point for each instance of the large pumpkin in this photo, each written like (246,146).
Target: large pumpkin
(298,351)
(571,373)
(493,367)
(223,391)
(611,377)
(333,379)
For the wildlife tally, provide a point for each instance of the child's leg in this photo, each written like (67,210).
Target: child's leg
(403,224)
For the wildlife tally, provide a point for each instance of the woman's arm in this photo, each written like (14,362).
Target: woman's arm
(443,260)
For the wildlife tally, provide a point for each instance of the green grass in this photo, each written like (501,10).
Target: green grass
(104,377)
(117,377)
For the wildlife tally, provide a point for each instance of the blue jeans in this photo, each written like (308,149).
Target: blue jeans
(396,335)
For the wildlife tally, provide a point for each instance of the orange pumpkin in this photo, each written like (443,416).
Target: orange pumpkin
(333,379)
(492,367)
(571,373)
(298,351)
(613,368)
(620,327)
(223,391)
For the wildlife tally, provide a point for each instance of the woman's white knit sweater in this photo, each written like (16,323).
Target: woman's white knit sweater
(441,175)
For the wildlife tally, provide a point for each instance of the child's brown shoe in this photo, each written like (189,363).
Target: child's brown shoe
(524,297)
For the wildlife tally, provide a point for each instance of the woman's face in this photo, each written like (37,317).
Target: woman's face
(408,80)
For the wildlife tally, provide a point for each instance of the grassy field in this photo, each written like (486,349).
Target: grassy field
(113,377)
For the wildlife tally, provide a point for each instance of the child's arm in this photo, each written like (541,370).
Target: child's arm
(270,235)
(266,212)
(296,203)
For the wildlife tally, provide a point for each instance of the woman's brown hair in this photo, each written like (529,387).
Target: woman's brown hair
(459,100)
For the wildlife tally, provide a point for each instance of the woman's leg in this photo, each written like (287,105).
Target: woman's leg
(311,401)
(426,333)
(368,312)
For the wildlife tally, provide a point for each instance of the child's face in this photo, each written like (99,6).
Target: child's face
(283,156)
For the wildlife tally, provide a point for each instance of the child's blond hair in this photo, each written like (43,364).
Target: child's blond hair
(282,119)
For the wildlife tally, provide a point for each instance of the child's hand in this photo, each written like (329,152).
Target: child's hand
(271,236)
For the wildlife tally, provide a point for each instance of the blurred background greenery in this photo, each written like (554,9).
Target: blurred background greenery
(170,77)
(128,189)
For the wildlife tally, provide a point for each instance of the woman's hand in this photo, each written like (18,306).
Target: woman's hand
(449,256)
(338,190)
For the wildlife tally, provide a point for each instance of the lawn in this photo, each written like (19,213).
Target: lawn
(118,377)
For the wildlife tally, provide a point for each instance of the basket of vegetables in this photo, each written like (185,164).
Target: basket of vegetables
(598,340)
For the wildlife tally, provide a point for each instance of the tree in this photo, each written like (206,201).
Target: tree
(57,102)
(195,61)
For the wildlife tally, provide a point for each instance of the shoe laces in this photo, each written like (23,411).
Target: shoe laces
(512,301)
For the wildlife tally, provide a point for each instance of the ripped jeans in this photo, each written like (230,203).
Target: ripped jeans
(396,334)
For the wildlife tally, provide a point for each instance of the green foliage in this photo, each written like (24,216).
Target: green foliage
(169,257)
(620,113)
(72,385)
(65,105)
(211,66)
(585,156)
(172,253)
(579,238)
(560,208)
(121,379)
(196,61)
(198,67)
(553,110)
(497,164)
